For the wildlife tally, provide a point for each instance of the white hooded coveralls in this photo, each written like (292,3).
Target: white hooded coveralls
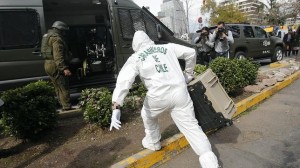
(160,71)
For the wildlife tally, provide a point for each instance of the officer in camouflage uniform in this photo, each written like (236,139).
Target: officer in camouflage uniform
(55,52)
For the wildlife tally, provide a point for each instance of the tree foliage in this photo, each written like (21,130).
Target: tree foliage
(290,9)
(273,15)
(209,6)
(229,13)
(278,11)
(272,12)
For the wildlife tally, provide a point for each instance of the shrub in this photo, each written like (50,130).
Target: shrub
(234,73)
(135,97)
(249,69)
(199,69)
(29,110)
(96,106)
(96,103)
(138,89)
(229,74)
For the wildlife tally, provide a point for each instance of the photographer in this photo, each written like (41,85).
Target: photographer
(204,46)
(222,38)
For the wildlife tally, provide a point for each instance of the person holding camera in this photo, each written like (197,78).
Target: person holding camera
(222,39)
(204,46)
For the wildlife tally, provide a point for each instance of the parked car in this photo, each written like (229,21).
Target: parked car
(251,41)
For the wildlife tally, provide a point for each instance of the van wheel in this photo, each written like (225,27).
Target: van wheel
(240,55)
(278,54)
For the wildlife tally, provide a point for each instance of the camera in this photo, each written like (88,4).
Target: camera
(220,33)
(204,35)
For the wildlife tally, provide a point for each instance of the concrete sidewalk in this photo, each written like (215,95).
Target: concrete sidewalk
(266,137)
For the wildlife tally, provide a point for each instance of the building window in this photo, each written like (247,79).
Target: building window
(19,29)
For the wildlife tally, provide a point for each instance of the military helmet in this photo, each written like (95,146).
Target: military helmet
(60,25)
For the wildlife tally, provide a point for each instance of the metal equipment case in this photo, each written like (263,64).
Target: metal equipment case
(208,117)
(215,92)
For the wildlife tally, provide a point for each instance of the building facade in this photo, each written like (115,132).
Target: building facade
(293,21)
(172,14)
(253,9)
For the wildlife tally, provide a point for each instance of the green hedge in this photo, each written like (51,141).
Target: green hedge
(199,69)
(234,74)
(135,97)
(96,103)
(29,111)
(249,70)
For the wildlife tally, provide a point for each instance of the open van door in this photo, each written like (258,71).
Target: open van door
(90,40)
(128,18)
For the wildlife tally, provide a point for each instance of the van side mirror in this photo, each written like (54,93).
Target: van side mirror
(159,32)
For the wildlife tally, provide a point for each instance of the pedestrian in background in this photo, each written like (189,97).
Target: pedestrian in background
(56,54)
(296,44)
(159,70)
(288,42)
(204,46)
(222,39)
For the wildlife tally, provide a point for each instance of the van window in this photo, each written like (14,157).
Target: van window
(236,32)
(260,33)
(248,32)
(19,29)
(134,20)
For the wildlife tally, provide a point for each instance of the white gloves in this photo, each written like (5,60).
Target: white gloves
(115,120)
(188,77)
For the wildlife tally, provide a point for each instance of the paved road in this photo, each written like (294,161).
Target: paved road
(266,137)
(265,64)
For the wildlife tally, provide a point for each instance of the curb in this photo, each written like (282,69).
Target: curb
(147,158)
(177,143)
(275,66)
(69,114)
(266,93)
(278,65)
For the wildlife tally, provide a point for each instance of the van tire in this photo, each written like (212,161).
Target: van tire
(278,54)
(240,55)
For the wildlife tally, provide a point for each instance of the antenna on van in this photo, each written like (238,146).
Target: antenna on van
(116,2)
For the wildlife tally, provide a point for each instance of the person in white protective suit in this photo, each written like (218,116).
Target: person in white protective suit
(160,71)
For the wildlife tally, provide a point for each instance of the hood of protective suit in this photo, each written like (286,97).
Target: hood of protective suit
(140,40)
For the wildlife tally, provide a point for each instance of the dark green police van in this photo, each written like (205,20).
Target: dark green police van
(99,39)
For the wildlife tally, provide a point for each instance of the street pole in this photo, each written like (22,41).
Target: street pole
(187,17)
